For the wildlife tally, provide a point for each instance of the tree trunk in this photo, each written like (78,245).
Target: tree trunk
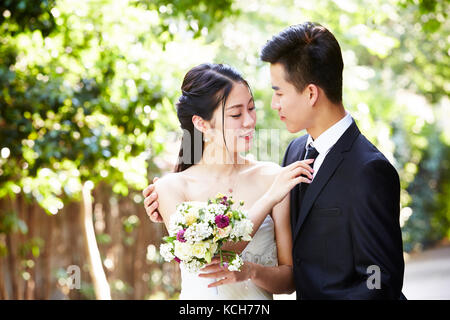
(101,286)
(11,244)
(75,253)
(47,256)
(12,264)
(3,291)
(31,284)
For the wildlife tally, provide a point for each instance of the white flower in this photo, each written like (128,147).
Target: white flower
(242,230)
(183,250)
(235,264)
(174,227)
(191,212)
(216,209)
(209,217)
(199,250)
(198,232)
(166,251)
(192,266)
(177,219)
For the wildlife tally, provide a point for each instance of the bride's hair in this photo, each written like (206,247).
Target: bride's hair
(204,88)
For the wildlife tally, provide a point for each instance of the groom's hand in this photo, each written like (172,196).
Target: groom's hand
(150,203)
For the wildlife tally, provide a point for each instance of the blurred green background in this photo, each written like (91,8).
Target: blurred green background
(87,119)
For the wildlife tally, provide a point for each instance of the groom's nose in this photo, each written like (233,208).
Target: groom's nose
(275,104)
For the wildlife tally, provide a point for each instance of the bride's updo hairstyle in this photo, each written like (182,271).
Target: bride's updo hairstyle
(204,89)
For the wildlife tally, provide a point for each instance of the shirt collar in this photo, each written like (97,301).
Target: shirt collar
(329,137)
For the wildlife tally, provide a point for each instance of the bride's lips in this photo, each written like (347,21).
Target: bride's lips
(247,136)
(282,118)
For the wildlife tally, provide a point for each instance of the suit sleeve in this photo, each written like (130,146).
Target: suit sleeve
(376,233)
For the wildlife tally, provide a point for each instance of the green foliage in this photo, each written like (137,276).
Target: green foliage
(26,15)
(80,96)
(32,246)
(11,223)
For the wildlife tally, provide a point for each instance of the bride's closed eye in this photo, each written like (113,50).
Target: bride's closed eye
(238,115)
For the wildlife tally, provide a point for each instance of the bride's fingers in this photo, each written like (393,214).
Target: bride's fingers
(306,164)
(301,179)
(219,283)
(216,274)
(300,164)
(301,171)
(212,267)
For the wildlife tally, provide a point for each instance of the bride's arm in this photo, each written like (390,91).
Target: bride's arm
(169,195)
(280,279)
(256,214)
(285,180)
(277,280)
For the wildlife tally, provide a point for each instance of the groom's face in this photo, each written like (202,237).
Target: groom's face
(294,107)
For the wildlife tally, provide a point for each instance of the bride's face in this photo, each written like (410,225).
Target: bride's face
(239,121)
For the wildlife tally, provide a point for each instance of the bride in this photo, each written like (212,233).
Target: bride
(217,114)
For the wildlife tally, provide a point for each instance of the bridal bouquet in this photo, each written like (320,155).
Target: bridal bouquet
(198,230)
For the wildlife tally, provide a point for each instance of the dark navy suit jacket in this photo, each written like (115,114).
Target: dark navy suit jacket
(347,227)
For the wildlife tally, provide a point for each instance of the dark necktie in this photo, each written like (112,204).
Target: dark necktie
(311,153)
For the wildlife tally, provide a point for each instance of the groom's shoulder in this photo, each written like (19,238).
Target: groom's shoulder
(365,155)
(297,142)
(366,151)
(295,145)
(294,149)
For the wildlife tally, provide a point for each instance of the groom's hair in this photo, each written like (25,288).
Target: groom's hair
(310,54)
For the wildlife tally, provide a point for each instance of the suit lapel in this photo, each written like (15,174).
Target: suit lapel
(332,161)
(328,167)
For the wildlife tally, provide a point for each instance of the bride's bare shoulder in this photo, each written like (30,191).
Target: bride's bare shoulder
(172,182)
(264,172)
(267,168)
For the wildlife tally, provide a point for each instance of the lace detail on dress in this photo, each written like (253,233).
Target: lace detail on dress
(268,258)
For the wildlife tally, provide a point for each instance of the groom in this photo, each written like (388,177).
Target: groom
(345,225)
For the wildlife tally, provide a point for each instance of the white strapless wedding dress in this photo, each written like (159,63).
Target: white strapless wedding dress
(262,249)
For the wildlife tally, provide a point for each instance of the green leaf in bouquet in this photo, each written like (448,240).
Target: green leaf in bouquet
(208,257)
(201,214)
(169,239)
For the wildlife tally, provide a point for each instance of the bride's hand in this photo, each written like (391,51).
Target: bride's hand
(224,276)
(289,177)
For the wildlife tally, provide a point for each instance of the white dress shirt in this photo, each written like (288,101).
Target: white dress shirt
(328,139)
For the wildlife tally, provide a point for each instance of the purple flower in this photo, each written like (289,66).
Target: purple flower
(222,221)
(177,259)
(180,235)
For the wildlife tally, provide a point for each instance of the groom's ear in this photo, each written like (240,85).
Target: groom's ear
(200,124)
(313,92)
